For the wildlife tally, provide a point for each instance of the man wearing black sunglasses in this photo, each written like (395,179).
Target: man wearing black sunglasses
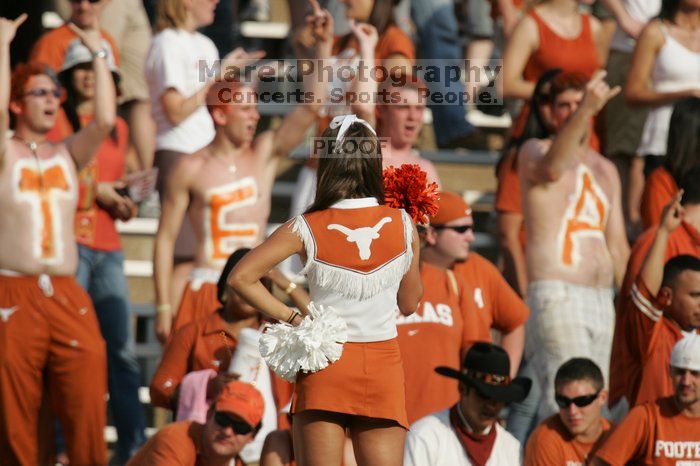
(572,436)
(233,422)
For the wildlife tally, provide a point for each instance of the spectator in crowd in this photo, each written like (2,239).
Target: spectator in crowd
(663,432)
(364,292)
(232,423)
(577,248)
(127,23)
(573,435)
(210,342)
(183,126)
(226,189)
(443,321)
(682,156)
(101,260)
(508,204)
(496,305)
(623,122)
(553,34)
(664,304)
(401,123)
(665,69)
(49,324)
(468,433)
(51,47)
(374,39)
(685,239)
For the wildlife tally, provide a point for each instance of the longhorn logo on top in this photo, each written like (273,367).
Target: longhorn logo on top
(362,236)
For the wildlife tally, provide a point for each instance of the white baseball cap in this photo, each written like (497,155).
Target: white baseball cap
(78,53)
(686,353)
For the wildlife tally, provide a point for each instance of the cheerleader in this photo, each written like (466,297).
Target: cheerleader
(361,261)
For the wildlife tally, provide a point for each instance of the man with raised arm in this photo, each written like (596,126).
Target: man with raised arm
(226,189)
(47,322)
(577,248)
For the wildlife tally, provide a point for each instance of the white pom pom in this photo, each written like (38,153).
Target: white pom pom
(310,347)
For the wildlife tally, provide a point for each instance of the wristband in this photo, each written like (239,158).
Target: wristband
(292,286)
(294,314)
(162,308)
(102,53)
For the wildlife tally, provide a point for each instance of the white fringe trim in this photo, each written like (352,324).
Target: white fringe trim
(351,284)
(310,347)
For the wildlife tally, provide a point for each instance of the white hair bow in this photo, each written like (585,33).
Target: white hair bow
(344,121)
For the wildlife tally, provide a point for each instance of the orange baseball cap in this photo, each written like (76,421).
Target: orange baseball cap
(243,400)
(450,207)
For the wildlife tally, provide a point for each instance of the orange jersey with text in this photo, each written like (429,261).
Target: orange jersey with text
(432,336)
(495,304)
(551,444)
(654,434)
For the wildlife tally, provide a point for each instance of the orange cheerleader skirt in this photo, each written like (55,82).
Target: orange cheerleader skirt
(367,380)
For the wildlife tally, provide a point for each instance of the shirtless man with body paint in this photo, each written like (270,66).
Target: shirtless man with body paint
(48,323)
(226,189)
(577,248)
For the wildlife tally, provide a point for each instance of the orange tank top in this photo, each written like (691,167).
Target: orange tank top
(571,55)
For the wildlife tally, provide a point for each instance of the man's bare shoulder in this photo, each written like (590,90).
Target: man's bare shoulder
(263,144)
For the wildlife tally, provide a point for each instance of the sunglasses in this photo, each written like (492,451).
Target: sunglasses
(580,401)
(460,229)
(239,427)
(43,92)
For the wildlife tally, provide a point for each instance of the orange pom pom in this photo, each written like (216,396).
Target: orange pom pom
(407,188)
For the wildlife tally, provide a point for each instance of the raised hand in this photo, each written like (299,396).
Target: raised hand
(598,92)
(366,34)
(8,28)
(236,60)
(91,38)
(672,215)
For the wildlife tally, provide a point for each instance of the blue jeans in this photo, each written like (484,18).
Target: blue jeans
(438,42)
(101,274)
(522,417)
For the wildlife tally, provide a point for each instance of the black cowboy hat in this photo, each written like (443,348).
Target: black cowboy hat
(486,367)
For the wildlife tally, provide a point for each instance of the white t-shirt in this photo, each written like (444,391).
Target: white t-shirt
(432,442)
(641,10)
(173,62)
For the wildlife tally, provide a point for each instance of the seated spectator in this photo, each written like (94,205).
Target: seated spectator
(684,239)
(101,260)
(572,436)
(401,124)
(51,47)
(468,433)
(682,155)
(663,432)
(232,423)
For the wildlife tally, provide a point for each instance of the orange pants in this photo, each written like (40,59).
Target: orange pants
(196,304)
(50,329)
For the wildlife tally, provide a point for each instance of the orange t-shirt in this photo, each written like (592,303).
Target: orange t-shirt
(51,48)
(496,304)
(577,55)
(551,444)
(433,336)
(202,344)
(654,434)
(653,336)
(659,189)
(684,240)
(508,196)
(178,444)
(94,226)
